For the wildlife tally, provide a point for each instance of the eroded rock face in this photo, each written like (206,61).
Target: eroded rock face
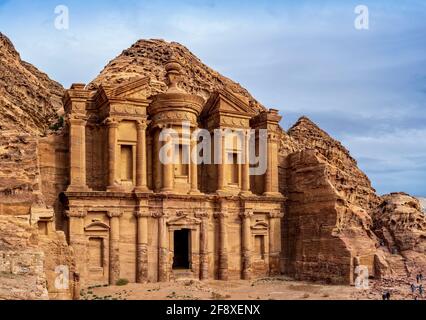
(351,183)
(400,221)
(29,100)
(147,58)
(324,235)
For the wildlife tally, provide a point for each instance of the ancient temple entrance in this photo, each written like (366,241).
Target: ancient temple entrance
(181,249)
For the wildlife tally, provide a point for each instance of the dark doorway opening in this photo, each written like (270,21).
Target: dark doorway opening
(181,246)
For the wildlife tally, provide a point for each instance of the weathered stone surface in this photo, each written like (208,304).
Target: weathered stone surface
(422,203)
(147,58)
(401,223)
(323,233)
(29,100)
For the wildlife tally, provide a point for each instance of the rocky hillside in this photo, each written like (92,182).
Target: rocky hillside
(422,203)
(351,183)
(29,99)
(148,57)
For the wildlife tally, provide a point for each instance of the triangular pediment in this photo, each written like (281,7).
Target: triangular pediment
(183,220)
(226,102)
(134,89)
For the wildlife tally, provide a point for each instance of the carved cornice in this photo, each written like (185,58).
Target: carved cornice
(221,214)
(76,213)
(246,214)
(142,214)
(114,213)
(276,214)
(201,214)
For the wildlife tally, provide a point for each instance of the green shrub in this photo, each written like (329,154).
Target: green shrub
(122,282)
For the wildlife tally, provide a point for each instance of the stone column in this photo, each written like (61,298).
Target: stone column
(245,188)
(168,171)
(194,168)
(77,141)
(274,242)
(114,246)
(223,245)
(156,164)
(78,240)
(204,246)
(271,175)
(141,154)
(246,250)
(112,150)
(221,166)
(142,247)
(163,251)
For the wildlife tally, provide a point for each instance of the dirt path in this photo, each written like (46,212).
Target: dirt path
(265,289)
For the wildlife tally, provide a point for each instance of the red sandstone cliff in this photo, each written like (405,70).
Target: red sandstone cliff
(29,102)
(331,210)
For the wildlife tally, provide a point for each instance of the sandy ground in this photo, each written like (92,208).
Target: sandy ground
(280,288)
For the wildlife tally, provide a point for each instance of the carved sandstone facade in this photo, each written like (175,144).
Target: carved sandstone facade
(130,216)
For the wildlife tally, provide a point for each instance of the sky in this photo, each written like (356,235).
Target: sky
(366,88)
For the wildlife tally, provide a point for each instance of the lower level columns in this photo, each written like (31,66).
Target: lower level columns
(246,249)
(114,246)
(223,245)
(142,247)
(274,242)
(163,251)
(204,248)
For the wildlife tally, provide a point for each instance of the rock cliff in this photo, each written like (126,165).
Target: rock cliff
(29,99)
(29,104)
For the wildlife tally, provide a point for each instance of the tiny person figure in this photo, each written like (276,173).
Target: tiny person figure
(421,290)
(388,295)
(413,288)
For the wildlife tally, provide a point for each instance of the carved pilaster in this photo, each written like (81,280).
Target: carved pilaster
(274,243)
(141,167)
(163,251)
(223,244)
(142,246)
(246,250)
(112,125)
(114,247)
(77,143)
(204,247)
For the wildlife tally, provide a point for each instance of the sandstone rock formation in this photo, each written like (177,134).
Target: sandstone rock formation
(422,203)
(147,58)
(29,100)
(333,222)
(327,225)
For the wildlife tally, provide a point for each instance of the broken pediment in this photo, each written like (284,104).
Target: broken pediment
(226,102)
(133,89)
(183,220)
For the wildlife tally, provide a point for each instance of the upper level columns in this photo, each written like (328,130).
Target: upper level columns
(77,135)
(141,154)
(112,125)
(245,179)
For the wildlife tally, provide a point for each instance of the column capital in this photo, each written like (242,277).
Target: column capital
(142,214)
(114,213)
(141,124)
(276,214)
(77,119)
(246,214)
(111,122)
(222,214)
(200,214)
(76,213)
(158,214)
